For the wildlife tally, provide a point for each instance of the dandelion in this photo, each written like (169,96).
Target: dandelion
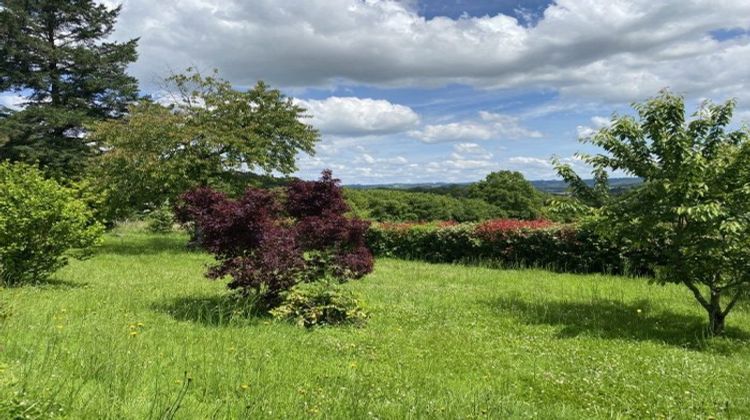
(245,386)
(133,333)
(140,324)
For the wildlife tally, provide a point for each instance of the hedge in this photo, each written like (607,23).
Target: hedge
(511,243)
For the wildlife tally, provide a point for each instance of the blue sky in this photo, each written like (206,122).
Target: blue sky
(450,90)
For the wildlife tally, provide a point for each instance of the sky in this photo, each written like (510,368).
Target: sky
(450,90)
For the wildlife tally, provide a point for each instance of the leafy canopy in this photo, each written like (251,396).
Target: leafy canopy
(510,192)
(209,135)
(693,207)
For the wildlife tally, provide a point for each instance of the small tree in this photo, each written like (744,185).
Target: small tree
(510,192)
(692,211)
(39,222)
(267,246)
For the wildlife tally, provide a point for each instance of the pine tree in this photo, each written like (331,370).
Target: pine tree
(55,54)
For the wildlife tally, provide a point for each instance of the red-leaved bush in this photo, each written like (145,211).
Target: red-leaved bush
(492,228)
(267,246)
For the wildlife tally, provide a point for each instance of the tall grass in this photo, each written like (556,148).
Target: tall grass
(137,332)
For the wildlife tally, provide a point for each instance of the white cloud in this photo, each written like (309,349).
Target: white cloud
(490,126)
(611,49)
(531,161)
(462,150)
(537,168)
(352,116)
(597,123)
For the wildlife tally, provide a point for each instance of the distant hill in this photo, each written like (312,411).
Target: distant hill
(549,186)
(558,187)
(400,186)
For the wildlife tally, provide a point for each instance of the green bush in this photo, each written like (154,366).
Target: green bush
(320,303)
(160,220)
(40,221)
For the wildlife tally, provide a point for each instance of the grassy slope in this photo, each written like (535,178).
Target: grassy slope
(443,341)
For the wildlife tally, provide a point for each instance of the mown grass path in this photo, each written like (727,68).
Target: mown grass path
(137,332)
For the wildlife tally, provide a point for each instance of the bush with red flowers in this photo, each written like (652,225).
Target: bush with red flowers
(267,245)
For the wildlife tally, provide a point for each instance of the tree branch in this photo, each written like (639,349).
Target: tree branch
(731,304)
(697,294)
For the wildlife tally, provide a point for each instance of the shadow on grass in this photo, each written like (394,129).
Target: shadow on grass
(618,320)
(215,311)
(144,245)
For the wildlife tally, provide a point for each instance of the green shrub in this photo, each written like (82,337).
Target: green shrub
(160,220)
(40,221)
(320,303)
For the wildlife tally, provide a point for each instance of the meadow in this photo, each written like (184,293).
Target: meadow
(136,331)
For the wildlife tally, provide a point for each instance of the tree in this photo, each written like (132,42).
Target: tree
(692,211)
(53,52)
(40,221)
(211,133)
(511,192)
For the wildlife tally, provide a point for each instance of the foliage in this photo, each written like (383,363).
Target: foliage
(320,303)
(161,220)
(267,246)
(395,206)
(39,222)
(53,52)
(512,243)
(694,204)
(209,137)
(511,192)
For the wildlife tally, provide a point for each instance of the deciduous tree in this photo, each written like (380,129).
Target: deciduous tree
(694,204)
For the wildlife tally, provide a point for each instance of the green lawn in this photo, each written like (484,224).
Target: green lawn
(118,335)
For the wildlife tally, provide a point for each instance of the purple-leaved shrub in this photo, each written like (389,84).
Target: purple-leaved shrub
(267,245)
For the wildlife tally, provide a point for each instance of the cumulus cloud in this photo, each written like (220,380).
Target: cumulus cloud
(352,116)
(461,150)
(610,49)
(490,126)
(597,123)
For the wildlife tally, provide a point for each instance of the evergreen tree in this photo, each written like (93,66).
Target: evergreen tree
(54,53)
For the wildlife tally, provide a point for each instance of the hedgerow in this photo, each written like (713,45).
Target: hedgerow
(535,243)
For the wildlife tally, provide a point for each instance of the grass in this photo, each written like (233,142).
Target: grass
(137,332)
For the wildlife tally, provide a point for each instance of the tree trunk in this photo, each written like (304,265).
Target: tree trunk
(715,314)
